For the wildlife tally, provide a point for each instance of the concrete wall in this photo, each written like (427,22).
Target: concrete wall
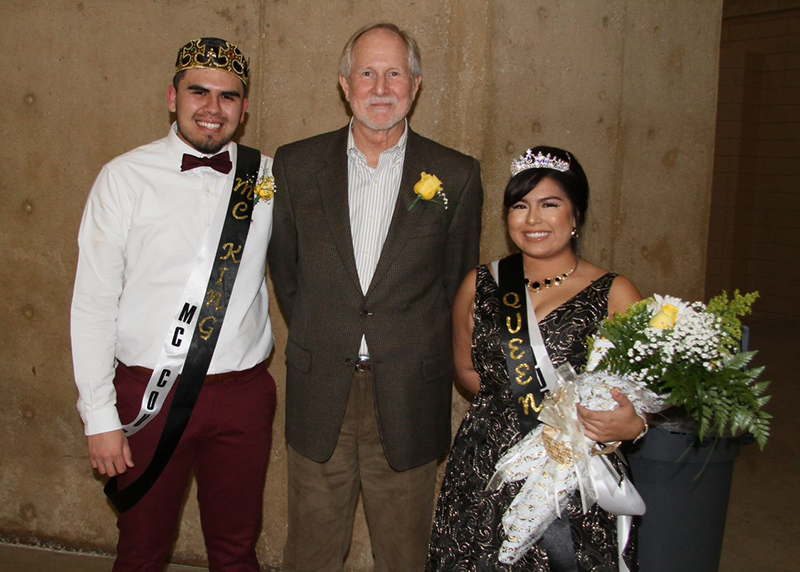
(754,235)
(628,86)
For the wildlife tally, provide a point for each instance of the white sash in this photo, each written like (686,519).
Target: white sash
(176,345)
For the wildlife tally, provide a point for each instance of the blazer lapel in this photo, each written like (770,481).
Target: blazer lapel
(332,181)
(403,220)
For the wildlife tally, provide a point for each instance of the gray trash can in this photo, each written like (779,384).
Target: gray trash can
(684,522)
(683,526)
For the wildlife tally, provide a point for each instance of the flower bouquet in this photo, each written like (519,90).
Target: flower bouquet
(689,353)
(663,352)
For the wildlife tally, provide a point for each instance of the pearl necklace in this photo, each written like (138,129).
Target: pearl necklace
(537,285)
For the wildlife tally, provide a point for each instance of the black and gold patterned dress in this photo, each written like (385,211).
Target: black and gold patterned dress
(467,530)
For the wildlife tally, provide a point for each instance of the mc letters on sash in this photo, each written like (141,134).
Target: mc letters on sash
(524,374)
(199,320)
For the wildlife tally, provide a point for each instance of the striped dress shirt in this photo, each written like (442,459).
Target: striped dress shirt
(372,194)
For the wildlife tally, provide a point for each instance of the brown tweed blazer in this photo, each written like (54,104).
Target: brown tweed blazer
(405,313)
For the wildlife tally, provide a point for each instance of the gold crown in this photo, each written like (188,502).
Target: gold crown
(215,54)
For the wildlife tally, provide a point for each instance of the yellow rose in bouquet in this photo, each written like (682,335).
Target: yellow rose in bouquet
(665,319)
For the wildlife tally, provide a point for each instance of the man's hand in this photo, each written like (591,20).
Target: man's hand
(622,424)
(110,453)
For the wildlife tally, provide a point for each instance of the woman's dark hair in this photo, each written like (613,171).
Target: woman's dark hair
(572,181)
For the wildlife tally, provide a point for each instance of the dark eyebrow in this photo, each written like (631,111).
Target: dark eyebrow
(554,197)
(200,88)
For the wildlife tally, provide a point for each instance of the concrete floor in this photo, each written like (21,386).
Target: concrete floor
(763,522)
(14,558)
(763,525)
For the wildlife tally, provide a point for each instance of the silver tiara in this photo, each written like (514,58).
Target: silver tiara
(538,161)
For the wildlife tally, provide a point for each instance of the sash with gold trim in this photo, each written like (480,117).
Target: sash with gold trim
(202,312)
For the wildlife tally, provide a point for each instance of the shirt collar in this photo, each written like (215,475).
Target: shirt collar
(395,153)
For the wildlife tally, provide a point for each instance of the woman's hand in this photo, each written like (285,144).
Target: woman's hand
(622,424)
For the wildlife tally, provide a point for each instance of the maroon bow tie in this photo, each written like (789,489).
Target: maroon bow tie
(220,162)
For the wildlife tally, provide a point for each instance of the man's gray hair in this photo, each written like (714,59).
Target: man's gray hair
(414,55)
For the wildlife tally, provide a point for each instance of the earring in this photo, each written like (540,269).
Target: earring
(574,233)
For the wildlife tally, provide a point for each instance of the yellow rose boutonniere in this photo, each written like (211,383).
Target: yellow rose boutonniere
(265,189)
(429,188)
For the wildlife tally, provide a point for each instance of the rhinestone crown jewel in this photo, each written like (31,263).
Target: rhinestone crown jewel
(538,161)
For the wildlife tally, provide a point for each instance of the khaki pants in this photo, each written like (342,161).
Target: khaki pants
(323,496)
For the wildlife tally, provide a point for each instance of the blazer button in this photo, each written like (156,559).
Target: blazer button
(366,314)
(348,362)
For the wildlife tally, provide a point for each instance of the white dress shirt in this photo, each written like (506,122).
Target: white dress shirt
(139,238)
(372,194)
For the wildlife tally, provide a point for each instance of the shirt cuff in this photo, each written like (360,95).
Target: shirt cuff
(100,420)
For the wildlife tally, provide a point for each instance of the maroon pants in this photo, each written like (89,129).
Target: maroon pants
(226,444)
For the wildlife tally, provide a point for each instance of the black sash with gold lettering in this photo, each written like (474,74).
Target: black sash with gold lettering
(528,386)
(527,381)
(204,339)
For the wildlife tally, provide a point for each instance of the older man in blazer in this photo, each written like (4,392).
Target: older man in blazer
(366,275)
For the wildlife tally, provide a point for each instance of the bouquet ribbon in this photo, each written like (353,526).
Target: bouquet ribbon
(554,460)
(598,479)
(559,415)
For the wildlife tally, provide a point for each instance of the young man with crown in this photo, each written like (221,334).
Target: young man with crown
(170,324)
